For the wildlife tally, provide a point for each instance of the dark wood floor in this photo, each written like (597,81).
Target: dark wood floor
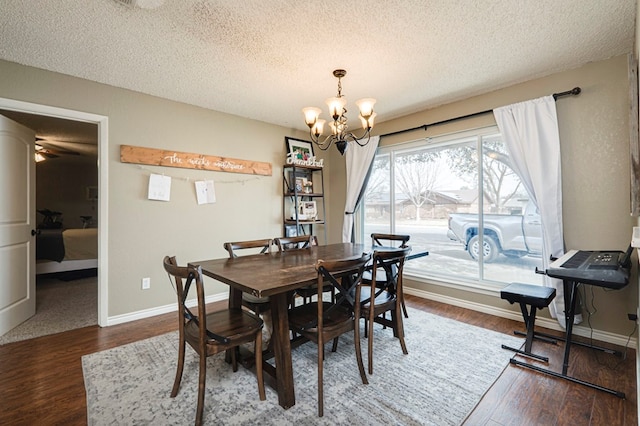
(41,379)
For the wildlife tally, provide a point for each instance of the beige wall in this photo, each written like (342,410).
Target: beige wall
(141,232)
(594,133)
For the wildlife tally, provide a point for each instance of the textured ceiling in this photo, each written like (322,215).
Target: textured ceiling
(266,59)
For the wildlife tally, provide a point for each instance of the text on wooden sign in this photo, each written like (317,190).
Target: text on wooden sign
(186,160)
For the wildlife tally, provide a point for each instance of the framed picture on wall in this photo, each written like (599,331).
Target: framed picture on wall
(299,149)
(92,193)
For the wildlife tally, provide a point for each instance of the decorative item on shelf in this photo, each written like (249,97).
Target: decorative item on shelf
(309,210)
(339,129)
(308,186)
(300,153)
(290,231)
(299,184)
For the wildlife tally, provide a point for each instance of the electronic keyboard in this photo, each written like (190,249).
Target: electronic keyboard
(602,268)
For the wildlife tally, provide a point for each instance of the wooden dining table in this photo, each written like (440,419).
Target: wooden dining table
(276,275)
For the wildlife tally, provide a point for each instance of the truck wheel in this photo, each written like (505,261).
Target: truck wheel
(489,248)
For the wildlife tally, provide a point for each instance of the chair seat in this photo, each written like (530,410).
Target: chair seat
(237,325)
(301,316)
(381,302)
(529,294)
(381,277)
(530,297)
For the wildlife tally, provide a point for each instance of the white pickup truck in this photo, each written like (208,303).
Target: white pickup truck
(511,235)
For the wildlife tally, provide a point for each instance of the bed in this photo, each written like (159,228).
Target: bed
(60,250)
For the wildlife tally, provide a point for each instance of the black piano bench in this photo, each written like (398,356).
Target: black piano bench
(530,297)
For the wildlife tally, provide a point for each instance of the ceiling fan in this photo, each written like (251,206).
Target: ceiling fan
(53,149)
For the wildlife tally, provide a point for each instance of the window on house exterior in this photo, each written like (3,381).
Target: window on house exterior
(469,211)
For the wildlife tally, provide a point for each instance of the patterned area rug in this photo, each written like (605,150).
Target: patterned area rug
(60,306)
(449,368)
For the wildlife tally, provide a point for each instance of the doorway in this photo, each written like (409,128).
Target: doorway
(101,122)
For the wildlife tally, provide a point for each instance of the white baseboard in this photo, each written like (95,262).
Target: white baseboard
(603,336)
(152,312)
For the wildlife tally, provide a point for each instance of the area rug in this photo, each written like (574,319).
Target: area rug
(449,368)
(60,306)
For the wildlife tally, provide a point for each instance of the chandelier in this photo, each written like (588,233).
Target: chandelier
(340,134)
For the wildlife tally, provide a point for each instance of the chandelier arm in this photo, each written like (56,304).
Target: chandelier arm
(350,137)
(368,135)
(322,144)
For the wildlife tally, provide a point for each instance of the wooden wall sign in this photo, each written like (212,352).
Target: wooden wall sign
(185,160)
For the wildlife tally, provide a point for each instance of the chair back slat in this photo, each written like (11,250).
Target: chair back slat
(298,242)
(393,240)
(191,275)
(253,247)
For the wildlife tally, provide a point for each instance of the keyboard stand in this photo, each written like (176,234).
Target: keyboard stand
(570,300)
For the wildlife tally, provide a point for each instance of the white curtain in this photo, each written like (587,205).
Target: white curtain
(358,160)
(530,132)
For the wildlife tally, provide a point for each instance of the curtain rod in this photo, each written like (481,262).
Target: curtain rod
(574,91)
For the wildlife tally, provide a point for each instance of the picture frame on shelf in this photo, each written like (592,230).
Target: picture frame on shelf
(299,149)
(290,231)
(294,178)
(309,209)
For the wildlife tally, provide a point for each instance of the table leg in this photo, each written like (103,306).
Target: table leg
(282,350)
(235,298)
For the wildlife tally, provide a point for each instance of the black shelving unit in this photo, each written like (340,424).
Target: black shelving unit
(298,199)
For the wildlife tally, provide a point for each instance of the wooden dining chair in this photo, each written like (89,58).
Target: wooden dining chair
(378,298)
(210,333)
(387,240)
(323,321)
(301,242)
(258,305)
(297,242)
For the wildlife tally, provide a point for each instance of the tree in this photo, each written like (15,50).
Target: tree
(500,182)
(378,183)
(379,178)
(417,176)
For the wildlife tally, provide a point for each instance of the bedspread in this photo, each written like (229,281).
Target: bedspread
(49,245)
(70,244)
(80,243)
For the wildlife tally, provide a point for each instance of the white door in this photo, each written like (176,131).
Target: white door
(17,221)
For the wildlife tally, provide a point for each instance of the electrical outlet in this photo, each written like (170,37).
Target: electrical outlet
(146,283)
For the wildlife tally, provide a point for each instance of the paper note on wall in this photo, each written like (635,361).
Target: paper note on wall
(159,187)
(205,192)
